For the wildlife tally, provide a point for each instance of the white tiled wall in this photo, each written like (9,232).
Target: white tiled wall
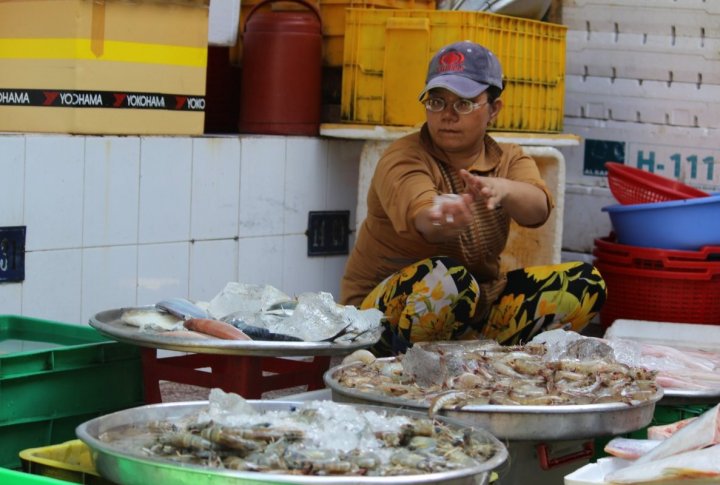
(122,221)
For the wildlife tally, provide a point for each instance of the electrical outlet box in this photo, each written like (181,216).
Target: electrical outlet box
(328,233)
(12,253)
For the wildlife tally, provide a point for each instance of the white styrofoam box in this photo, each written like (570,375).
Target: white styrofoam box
(223,22)
(639,56)
(690,155)
(584,220)
(706,337)
(677,104)
(594,473)
(687,18)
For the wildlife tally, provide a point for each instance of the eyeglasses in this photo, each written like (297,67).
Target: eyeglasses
(461,106)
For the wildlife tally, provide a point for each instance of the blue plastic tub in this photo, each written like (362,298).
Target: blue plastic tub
(677,224)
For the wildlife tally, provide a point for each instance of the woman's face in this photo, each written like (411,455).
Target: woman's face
(460,134)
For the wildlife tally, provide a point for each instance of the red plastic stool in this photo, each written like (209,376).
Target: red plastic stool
(239,374)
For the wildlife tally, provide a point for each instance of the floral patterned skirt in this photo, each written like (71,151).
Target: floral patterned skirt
(435,299)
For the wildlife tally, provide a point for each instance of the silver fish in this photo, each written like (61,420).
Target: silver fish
(182,308)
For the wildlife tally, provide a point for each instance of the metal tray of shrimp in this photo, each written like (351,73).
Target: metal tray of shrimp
(130,462)
(521,422)
(683,397)
(110,324)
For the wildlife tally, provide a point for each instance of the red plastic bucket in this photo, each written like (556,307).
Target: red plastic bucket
(281,90)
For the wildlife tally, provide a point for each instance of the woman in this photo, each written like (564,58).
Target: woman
(439,210)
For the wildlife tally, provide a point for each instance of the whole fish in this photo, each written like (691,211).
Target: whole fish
(696,467)
(703,431)
(215,328)
(628,448)
(182,308)
(260,333)
(664,431)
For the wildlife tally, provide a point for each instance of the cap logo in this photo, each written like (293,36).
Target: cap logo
(451,61)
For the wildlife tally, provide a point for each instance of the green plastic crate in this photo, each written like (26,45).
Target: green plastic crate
(12,477)
(55,376)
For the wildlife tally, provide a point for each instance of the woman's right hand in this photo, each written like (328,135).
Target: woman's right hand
(449,216)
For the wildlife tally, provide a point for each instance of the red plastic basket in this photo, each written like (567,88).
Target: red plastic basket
(630,185)
(660,295)
(609,251)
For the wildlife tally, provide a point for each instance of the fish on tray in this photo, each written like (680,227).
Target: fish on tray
(700,433)
(691,453)
(664,431)
(629,448)
(215,328)
(309,318)
(255,332)
(198,320)
(174,314)
(696,467)
(632,449)
(180,318)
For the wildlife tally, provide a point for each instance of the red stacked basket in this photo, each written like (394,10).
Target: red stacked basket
(630,185)
(659,284)
(649,283)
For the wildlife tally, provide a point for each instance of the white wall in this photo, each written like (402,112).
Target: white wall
(645,75)
(124,221)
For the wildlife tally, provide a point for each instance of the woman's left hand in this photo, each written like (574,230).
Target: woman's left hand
(490,189)
(526,203)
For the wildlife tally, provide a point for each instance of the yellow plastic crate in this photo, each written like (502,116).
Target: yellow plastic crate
(70,461)
(332,13)
(387,53)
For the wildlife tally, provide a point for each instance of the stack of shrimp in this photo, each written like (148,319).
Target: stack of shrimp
(451,375)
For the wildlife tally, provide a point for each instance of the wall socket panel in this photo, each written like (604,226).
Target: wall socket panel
(327,233)
(12,253)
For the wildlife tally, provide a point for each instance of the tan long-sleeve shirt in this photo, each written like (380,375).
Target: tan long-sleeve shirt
(407,177)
